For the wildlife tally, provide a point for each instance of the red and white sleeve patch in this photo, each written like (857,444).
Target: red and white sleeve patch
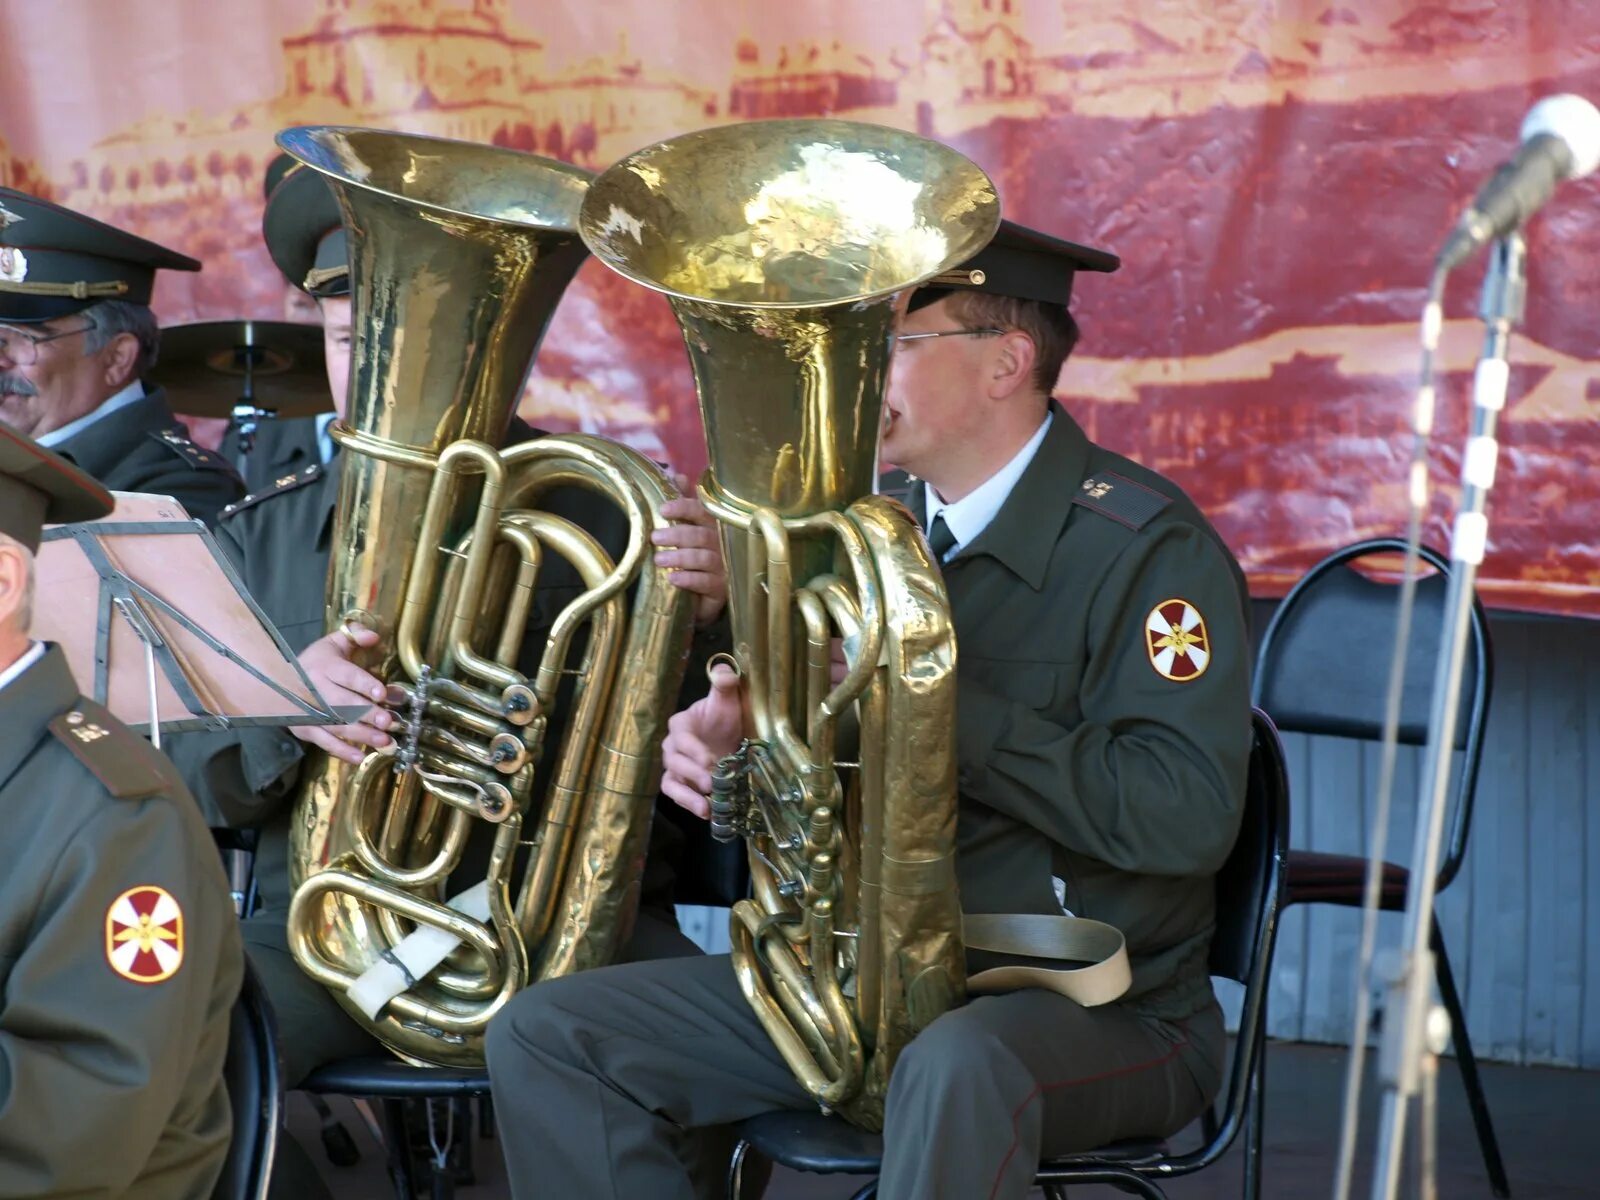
(144,934)
(1176,640)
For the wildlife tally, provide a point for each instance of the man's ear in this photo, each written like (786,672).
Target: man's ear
(118,357)
(14,570)
(1013,364)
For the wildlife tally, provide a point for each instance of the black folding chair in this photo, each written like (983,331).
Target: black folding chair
(1249,888)
(448,1160)
(238,850)
(1310,687)
(255,1091)
(708,873)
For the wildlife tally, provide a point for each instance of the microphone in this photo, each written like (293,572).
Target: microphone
(1560,140)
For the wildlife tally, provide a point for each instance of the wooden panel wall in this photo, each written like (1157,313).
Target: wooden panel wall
(1522,920)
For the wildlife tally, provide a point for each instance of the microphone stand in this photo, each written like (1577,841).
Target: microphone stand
(1419,1028)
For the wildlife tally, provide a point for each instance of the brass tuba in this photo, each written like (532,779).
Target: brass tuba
(458,255)
(782,246)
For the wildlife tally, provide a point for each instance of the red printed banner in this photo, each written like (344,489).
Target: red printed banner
(1275,174)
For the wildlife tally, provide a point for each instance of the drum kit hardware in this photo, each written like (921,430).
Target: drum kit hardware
(248,371)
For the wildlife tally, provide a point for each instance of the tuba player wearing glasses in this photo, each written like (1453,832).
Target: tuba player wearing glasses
(1101,736)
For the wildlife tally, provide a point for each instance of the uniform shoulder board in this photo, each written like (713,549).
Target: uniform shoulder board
(114,754)
(1120,498)
(280,485)
(197,457)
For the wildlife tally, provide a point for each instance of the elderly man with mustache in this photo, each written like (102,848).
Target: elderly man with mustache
(76,335)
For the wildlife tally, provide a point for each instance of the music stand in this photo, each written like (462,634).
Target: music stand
(155,620)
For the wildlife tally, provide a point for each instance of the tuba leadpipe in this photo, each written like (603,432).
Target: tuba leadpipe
(782,247)
(458,256)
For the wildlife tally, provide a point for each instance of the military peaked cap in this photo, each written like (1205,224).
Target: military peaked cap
(55,262)
(1020,262)
(304,231)
(38,487)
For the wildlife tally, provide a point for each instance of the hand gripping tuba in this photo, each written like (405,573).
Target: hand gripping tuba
(782,246)
(458,255)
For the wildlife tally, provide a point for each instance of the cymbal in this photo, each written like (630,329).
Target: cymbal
(209,367)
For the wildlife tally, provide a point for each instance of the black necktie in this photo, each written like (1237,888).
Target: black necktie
(940,539)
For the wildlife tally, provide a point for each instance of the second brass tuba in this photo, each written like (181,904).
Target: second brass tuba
(458,255)
(782,246)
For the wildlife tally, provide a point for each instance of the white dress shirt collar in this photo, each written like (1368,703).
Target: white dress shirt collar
(29,656)
(325,443)
(134,391)
(971,515)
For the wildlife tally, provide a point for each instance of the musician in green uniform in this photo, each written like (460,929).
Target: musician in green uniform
(279,538)
(305,237)
(1102,736)
(119,952)
(76,336)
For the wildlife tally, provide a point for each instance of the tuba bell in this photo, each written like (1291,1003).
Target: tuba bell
(782,246)
(458,256)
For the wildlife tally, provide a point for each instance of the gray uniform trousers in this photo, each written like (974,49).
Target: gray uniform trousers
(633,1057)
(314,1030)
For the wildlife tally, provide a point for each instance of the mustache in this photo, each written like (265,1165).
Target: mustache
(16,385)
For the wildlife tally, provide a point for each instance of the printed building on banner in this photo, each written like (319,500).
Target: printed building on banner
(22,174)
(1218,363)
(1138,58)
(459,72)
(972,65)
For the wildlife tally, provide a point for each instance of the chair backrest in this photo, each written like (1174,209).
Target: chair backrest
(255,1088)
(1327,654)
(1249,895)
(1249,883)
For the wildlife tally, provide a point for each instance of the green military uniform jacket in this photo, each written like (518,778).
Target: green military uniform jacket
(119,958)
(1101,758)
(281,448)
(143,448)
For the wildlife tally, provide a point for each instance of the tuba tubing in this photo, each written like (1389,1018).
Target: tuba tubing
(782,246)
(458,256)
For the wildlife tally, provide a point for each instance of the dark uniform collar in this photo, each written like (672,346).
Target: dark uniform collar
(1022,535)
(29,703)
(329,500)
(285,448)
(286,451)
(103,444)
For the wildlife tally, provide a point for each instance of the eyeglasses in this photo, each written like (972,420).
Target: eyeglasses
(22,348)
(920,337)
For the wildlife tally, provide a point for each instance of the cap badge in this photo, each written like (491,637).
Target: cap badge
(8,218)
(13,264)
(1176,641)
(144,934)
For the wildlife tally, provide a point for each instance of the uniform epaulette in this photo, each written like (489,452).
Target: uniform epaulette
(197,457)
(114,754)
(284,483)
(1120,498)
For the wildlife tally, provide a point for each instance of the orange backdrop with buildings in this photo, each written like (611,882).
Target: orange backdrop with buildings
(1275,174)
